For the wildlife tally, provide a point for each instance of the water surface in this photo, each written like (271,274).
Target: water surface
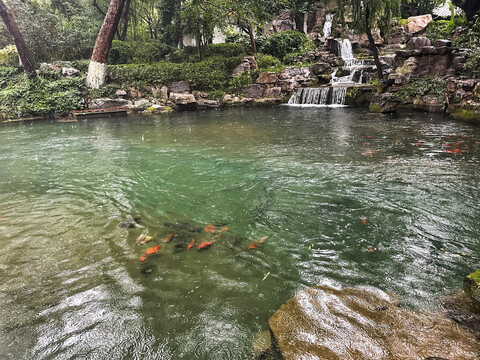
(345,199)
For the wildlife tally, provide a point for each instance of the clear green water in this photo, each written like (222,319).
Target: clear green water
(72,284)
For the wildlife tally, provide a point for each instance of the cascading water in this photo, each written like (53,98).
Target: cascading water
(327,27)
(352,73)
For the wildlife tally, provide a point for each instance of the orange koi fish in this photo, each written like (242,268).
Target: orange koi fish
(143,258)
(205,245)
(210,228)
(153,250)
(192,244)
(226,228)
(169,238)
(253,246)
(364,221)
(143,239)
(256,245)
(457,151)
(369,153)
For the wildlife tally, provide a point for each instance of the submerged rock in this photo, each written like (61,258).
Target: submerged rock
(464,310)
(364,324)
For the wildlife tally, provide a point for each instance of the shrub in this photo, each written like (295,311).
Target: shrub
(120,53)
(267,62)
(149,52)
(210,74)
(443,29)
(283,43)
(24,97)
(9,56)
(428,85)
(225,50)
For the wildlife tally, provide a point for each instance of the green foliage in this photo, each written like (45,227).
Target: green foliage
(120,53)
(225,50)
(9,56)
(22,96)
(470,39)
(428,85)
(210,74)
(239,82)
(283,43)
(443,29)
(267,62)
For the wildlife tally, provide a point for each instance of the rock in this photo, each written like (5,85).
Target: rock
(472,285)
(248,63)
(157,109)
(179,87)
(364,324)
(377,39)
(418,23)
(468,110)
(184,101)
(69,71)
(383,103)
(121,93)
(267,78)
(106,103)
(134,93)
(283,23)
(429,50)
(442,43)
(428,103)
(462,309)
(418,42)
(476,91)
(398,35)
(274,92)
(204,104)
(254,91)
(320,68)
(141,104)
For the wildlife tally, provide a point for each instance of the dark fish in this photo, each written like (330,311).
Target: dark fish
(130,223)
(237,242)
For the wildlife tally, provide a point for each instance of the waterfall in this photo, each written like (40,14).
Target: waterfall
(324,96)
(345,49)
(327,27)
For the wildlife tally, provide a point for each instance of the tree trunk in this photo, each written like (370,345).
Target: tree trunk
(123,35)
(372,45)
(252,38)
(23,52)
(97,66)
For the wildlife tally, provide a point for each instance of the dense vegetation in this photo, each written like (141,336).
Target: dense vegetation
(148,47)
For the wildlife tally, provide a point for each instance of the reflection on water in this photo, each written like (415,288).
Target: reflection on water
(344,199)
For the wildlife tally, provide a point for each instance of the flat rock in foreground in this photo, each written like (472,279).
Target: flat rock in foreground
(364,324)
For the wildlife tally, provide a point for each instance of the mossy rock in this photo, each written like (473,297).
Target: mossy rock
(472,285)
(468,112)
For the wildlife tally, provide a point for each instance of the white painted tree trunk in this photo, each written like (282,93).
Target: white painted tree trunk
(96,74)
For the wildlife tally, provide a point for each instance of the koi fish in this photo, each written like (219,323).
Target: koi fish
(256,245)
(457,151)
(369,153)
(168,238)
(153,250)
(192,244)
(420,143)
(210,228)
(364,221)
(226,228)
(143,239)
(143,258)
(372,250)
(205,245)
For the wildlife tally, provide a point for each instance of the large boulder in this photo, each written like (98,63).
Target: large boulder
(383,103)
(254,91)
(418,42)
(179,87)
(267,78)
(184,101)
(248,63)
(364,324)
(283,23)
(418,23)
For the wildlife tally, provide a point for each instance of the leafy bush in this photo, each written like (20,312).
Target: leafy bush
(470,38)
(428,85)
(9,56)
(267,62)
(150,52)
(24,96)
(283,43)
(239,82)
(443,29)
(225,50)
(120,53)
(210,74)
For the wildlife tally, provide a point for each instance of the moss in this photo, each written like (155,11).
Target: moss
(472,285)
(375,108)
(475,277)
(467,114)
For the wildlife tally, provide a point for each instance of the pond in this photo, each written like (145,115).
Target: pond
(328,196)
